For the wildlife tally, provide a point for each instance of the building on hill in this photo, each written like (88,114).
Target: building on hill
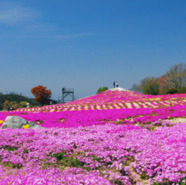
(52,101)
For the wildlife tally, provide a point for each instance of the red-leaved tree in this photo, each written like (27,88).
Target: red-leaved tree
(163,84)
(42,95)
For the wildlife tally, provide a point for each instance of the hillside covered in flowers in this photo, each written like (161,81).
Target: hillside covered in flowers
(115,137)
(117,98)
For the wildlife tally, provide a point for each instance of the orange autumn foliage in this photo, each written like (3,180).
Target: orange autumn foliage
(42,95)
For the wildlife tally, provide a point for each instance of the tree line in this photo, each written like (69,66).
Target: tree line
(173,81)
(14,101)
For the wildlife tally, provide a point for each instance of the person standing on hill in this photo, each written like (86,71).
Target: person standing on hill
(114,84)
(117,85)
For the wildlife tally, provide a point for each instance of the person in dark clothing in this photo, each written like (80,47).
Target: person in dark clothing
(114,84)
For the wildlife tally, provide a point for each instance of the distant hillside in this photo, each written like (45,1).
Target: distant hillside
(17,98)
(116,98)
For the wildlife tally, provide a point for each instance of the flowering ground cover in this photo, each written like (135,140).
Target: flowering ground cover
(116,137)
(141,116)
(114,100)
(100,154)
(110,106)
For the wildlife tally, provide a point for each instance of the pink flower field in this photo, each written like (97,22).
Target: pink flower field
(114,100)
(115,137)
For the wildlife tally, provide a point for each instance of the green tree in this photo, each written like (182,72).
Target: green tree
(102,89)
(15,97)
(10,104)
(173,81)
(172,91)
(151,86)
(177,76)
(23,104)
(6,104)
(182,90)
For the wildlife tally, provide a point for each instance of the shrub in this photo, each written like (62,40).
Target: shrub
(172,91)
(102,89)
(182,90)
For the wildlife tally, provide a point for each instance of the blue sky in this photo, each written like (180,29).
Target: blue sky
(87,44)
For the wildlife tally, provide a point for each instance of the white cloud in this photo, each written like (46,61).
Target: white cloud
(11,14)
